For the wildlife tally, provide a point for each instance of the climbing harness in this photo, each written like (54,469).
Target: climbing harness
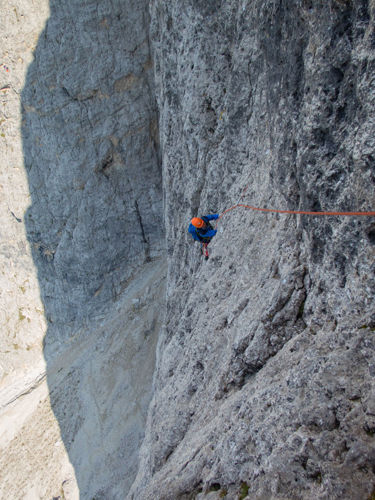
(202,236)
(205,242)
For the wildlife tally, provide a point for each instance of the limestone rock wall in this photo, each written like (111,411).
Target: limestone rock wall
(90,139)
(265,374)
(264,377)
(81,249)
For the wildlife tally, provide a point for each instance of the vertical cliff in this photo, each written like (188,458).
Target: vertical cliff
(90,139)
(82,246)
(265,376)
(121,120)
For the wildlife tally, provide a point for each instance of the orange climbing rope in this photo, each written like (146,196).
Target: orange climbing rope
(297,212)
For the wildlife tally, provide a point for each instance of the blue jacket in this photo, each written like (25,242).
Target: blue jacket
(203,233)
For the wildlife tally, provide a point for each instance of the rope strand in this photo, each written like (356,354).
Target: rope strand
(298,212)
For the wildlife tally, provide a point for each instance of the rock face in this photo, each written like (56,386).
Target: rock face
(265,377)
(90,140)
(82,246)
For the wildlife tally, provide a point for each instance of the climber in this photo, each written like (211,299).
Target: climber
(202,231)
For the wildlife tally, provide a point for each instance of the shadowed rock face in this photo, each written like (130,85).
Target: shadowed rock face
(91,152)
(266,371)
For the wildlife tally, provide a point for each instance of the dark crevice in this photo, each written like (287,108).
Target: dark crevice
(106,165)
(371,235)
(79,98)
(14,216)
(141,225)
(140,221)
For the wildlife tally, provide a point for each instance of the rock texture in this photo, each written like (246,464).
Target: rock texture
(93,409)
(90,141)
(265,378)
(81,246)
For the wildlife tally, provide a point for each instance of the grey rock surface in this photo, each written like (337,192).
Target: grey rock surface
(121,117)
(265,379)
(94,408)
(90,142)
(82,246)
(91,152)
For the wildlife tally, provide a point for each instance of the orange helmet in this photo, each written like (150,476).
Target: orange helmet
(197,222)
